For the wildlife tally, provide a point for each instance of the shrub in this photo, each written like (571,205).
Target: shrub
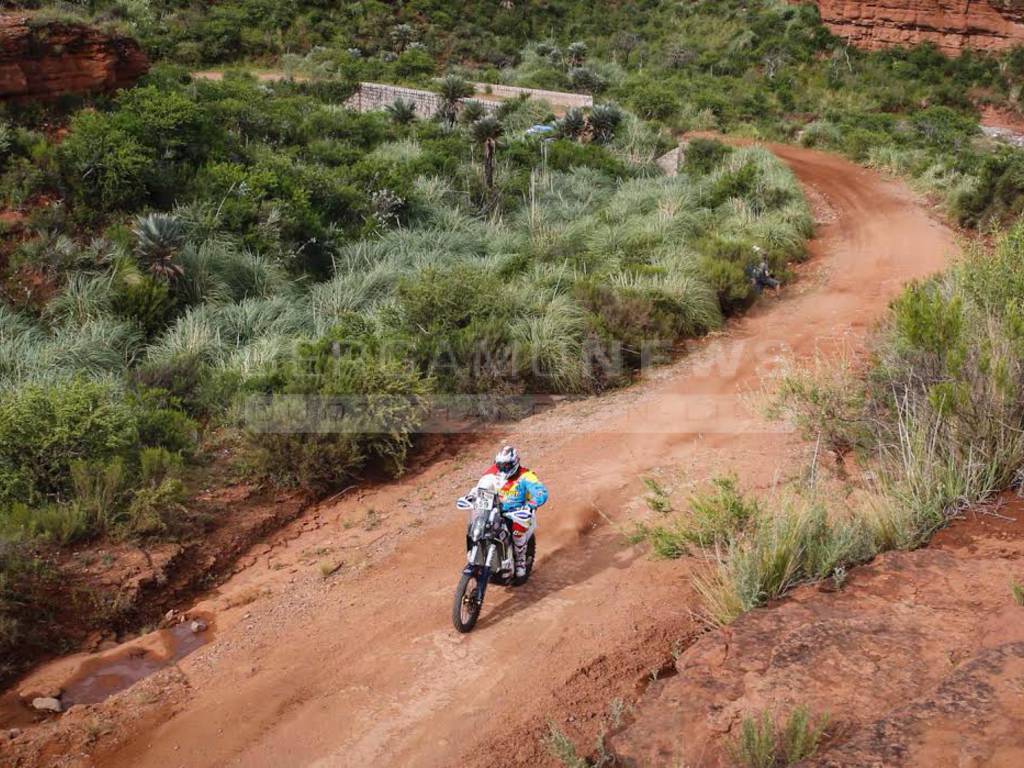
(103,165)
(654,101)
(586,80)
(402,112)
(156,509)
(382,400)
(60,524)
(761,743)
(97,493)
(604,120)
(166,427)
(145,301)
(774,552)
(716,518)
(157,465)
(729,280)
(702,156)
(997,193)
(573,124)
(44,429)
(158,236)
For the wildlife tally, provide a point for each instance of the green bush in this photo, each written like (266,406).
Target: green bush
(162,423)
(104,166)
(44,429)
(654,101)
(98,489)
(729,279)
(997,193)
(307,441)
(716,518)
(156,509)
(701,156)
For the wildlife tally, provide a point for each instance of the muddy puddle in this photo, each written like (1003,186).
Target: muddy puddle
(102,676)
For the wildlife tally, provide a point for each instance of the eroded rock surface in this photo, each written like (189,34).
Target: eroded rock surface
(45,60)
(952,25)
(919,661)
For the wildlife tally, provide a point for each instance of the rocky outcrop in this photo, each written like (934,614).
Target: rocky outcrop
(952,25)
(918,661)
(43,60)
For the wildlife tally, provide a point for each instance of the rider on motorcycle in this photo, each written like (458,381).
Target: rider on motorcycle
(761,274)
(521,493)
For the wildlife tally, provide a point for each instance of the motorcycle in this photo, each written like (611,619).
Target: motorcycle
(490,558)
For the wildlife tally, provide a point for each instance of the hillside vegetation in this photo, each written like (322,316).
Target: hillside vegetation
(189,247)
(204,243)
(767,68)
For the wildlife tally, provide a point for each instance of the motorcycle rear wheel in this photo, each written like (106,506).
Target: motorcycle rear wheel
(466,609)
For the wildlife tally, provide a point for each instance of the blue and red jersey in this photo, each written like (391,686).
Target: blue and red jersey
(523,489)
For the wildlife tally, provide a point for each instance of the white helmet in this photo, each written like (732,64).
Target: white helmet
(507,461)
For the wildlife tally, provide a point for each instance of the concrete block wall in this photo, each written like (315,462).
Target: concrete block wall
(374,96)
(555,98)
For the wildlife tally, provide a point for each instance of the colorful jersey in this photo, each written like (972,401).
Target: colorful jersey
(523,489)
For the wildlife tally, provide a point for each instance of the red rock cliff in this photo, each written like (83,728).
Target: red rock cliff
(45,60)
(952,25)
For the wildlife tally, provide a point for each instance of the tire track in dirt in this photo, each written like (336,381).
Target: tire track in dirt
(365,669)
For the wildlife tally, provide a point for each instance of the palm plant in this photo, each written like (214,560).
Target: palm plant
(604,119)
(471,112)
(452,89)
(158,237)
(401,112)
(585,79)
(402,36)
(573,124)
(577,53)
(486,132)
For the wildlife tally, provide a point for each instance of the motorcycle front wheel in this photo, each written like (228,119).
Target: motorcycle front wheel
(466,609)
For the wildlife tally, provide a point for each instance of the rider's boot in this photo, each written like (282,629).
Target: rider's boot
(520,553)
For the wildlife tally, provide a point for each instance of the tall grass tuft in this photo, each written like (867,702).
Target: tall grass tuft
(762,743)
(553,342)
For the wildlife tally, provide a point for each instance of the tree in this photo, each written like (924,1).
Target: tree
(627,42)
(158,236)
(452,89)
(401,36)
(486,131)
(585,79)
(577,53)
(401,112)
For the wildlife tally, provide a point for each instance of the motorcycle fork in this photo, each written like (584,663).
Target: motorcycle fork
(483,574)
(481,584)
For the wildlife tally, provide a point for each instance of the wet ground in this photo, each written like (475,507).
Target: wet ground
(105,674)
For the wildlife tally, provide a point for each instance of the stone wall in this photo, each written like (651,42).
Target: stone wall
(374,96)
(555,98)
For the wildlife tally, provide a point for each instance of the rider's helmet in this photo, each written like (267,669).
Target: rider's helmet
(507,461)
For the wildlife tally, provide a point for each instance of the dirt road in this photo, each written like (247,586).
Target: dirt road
(363,668)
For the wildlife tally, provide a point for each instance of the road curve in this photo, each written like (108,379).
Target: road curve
(364,669)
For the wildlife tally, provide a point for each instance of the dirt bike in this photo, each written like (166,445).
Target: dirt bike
(490,558)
